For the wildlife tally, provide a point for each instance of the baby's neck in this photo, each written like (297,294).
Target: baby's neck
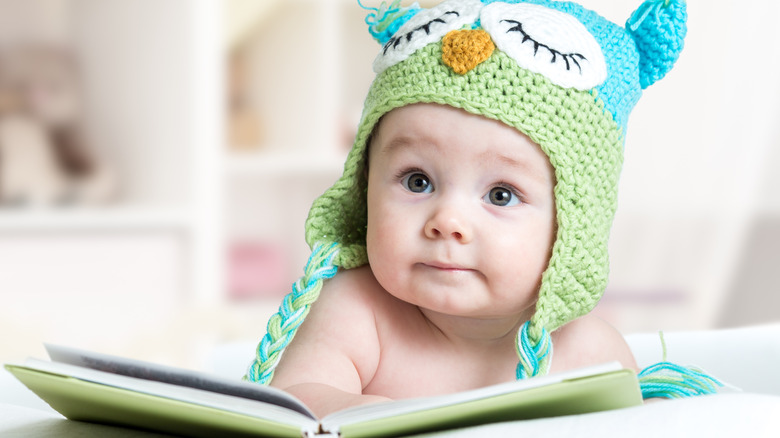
(475,333)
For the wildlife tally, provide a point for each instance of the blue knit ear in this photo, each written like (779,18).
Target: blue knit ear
(658,29)
(385,20)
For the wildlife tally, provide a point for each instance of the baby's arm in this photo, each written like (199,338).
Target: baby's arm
(325,399)
(336,351)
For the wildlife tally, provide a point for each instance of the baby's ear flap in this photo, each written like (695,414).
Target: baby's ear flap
(385,20)
(658,28)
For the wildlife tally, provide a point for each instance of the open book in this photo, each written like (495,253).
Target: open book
(94,387)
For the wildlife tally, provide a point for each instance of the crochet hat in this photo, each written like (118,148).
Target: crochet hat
(561,74)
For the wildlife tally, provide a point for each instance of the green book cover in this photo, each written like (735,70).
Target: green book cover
(87,386)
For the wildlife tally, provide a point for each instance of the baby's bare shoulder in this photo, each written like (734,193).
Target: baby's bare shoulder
(337,343)
(354,292)
(589,340)
(344,309)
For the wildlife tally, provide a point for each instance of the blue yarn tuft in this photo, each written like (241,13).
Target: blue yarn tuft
(384,21)
(669,380)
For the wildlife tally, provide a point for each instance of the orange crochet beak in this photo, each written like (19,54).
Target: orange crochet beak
(464,49)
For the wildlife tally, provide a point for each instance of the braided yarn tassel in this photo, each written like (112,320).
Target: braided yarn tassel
(295,306)
(535,357)
(669,380)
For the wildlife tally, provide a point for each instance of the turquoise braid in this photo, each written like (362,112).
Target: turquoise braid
(283,325)
(535,357)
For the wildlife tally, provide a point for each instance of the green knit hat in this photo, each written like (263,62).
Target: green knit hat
(557,72)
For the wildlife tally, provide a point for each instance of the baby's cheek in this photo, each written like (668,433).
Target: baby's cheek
(387,265)
(386,239)
(521,267)
(377,259)
(382,266)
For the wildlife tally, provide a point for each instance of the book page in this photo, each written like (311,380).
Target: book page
(222,402)
(176,376)
(389,409)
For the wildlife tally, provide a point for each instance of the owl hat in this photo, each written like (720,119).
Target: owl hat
(557,72)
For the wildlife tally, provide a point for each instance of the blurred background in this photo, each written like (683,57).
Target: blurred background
(158,158)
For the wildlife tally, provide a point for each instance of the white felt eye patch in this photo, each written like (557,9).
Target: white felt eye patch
(427,27)
(548,42)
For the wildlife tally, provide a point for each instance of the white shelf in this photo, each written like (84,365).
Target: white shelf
(277,164)
(115,218)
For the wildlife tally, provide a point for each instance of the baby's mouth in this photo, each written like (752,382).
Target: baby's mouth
(447,267)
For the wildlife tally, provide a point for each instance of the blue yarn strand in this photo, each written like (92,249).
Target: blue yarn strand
(642,13)
(387,17)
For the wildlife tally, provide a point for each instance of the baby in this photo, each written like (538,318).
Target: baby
(468,234)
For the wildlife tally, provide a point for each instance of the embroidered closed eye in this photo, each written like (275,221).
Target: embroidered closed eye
(567,58)
(426,27)
(546,41)
(395,41)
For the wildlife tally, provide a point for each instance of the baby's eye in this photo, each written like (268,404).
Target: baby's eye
(427,27)
(546,41)
(418,183)
(502,197)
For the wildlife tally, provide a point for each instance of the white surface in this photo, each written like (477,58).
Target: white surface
(14,393)
(22,422)
(746,358)
(727,415)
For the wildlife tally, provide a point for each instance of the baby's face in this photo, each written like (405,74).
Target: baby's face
(461,213)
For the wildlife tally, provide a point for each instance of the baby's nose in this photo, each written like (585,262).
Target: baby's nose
(449,223)
(465,49)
